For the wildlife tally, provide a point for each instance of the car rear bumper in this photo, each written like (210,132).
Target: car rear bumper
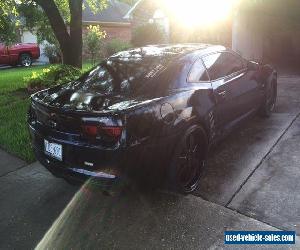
(79,175)
(132,162)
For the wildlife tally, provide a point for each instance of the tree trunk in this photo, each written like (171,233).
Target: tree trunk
(70,44)
(76,32)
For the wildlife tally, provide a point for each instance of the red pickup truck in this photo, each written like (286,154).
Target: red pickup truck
(20,53)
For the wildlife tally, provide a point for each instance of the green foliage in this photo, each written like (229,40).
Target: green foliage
(8,33)
(52,76)
(8,28)
(146,34)
(115,45)
(93,41)
(14,103)
(34,17)
(95,5)
(53,52)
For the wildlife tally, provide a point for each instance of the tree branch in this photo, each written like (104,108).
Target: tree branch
(56,21)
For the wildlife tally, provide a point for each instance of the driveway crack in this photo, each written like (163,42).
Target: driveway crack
(262,160)
(15,170)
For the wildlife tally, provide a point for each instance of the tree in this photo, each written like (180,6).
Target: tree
(8,24)
(93,41)
(64,17)
(70,40)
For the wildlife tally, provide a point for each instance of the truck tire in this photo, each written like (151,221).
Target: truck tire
(25,60)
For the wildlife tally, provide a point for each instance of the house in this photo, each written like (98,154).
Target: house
(111,19)
(265,30)
(158,11)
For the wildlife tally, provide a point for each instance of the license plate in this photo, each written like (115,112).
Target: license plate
(53,149)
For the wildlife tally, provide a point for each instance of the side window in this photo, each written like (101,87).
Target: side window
(220,65)
(198,72)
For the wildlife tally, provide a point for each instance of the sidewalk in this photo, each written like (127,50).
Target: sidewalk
(9,163)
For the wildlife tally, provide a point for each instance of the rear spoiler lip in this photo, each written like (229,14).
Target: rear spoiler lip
(42,105)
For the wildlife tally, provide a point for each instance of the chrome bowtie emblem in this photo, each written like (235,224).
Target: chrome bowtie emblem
(52,122)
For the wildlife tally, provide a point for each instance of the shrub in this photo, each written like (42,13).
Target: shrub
(54,75)
(146,34)
(53,53)
(92,41)
(114,46)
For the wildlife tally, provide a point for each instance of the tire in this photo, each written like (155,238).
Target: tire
(269,102)
(188,160)
(25,60)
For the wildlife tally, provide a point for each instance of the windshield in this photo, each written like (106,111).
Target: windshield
(124,75)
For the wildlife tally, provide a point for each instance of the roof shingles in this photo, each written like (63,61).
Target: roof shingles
(114,13)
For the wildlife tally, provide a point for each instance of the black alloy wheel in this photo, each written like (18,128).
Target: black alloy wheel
(188,162)
(271,97)
(269,103)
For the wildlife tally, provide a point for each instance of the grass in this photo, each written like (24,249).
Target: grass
(14,103)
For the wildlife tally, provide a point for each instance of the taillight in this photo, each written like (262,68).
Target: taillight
(102,132)
(90,130)
(115,132)
(106,129)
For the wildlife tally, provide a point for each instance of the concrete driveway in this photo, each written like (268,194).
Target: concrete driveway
(250,183)
(256,172)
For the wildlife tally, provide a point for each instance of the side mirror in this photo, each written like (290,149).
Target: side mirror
(252,66)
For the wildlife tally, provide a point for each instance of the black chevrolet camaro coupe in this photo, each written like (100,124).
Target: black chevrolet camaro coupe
(148,114)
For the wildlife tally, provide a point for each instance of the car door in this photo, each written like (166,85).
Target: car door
(224,102)
(243,84)
(232,87)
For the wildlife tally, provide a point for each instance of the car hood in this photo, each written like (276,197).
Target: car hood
(69,99)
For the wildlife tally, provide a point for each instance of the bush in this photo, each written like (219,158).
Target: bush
(53,53)
(54,75)
(146,34)
(114,46)
(92,42)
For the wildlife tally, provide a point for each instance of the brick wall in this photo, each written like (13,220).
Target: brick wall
(113,31)
(122,32)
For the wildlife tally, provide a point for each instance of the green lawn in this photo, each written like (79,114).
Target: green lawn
(14,102)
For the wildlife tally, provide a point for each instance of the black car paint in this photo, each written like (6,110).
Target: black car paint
(153,124)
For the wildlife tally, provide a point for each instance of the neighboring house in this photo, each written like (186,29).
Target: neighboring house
(157,11)
(29,37)
(145,11)
(111,19)
(267,30)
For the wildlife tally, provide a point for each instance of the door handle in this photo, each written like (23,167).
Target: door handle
(222,94)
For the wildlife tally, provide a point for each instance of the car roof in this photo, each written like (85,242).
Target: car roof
(161,50)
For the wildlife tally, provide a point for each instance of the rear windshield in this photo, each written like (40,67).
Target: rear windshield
(125,75)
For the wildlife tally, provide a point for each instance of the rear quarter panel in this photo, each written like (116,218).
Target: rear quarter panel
(16,50)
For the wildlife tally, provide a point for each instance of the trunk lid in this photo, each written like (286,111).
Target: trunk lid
(67,99)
